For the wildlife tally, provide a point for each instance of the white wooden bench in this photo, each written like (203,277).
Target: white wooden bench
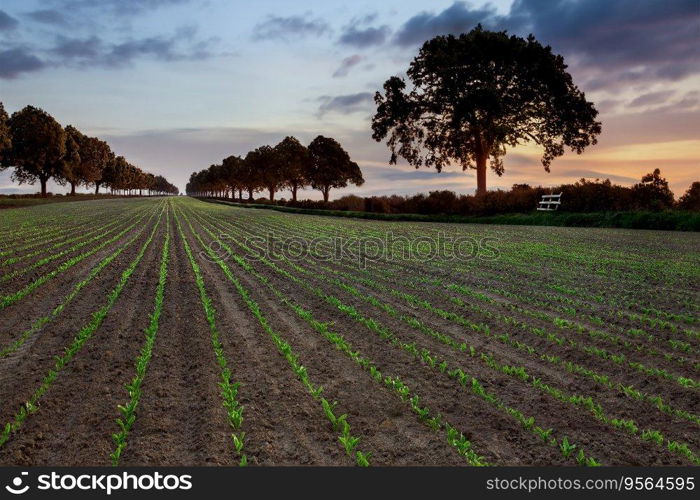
(550,202)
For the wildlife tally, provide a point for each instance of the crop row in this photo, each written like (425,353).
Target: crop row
(469,271)
(385,334)
(94,272)
(83,336)
(517,372)
(555,340)
(598,335)
(339,423)
(346,229)
(128,411)
(26,290)
(454,437)
(59,234)
(102,232)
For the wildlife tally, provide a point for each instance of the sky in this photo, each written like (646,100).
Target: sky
(177,85)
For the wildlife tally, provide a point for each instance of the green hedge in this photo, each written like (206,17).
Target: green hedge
(673,220)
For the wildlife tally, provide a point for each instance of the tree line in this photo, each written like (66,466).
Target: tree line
(322,165)
(651,194)
(39,149)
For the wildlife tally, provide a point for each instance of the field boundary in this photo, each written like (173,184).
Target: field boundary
(665,221)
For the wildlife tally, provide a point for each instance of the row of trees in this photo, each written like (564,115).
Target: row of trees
(323,165)
(39,149)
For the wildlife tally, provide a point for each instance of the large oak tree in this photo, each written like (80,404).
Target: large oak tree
(295,162)
(38,147)
(474,95)
(71,172)
(331,167)
(267,168)
(233,172)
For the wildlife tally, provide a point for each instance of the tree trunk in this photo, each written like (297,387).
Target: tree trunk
(72,188)
(43,187)
(250,194)
(294,193)
(240,194)
(326,193)
(481,174)
(272,194)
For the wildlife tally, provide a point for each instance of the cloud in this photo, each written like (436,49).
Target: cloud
(284,28)
(93,51)
(401,174)
(47,16)
(687,103)
(595,174)
(362,38)
(346,64)
(78,48)
(651,98)
(348,103)
(160,48)
(611,44)
(16,61)
(7,22)
(611,33)
(456,19)
(119,7)
(608,105)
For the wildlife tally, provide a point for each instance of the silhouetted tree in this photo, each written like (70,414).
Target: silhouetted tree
(266,168)
(5,136)
(233,173)
(653,192)
(477,93)
(295,162)
(95,157)
(71,172)
(38,147)
(691,199)
(331,167)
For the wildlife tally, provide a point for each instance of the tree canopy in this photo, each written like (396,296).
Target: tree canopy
(324,164)
(71,172)
(38,147)
(266,168)
(295,162)
(331,167)
(476,94)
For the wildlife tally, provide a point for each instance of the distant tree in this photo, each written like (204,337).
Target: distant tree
(232,167)
(101,164)
(477,93)
(331,167)
(266,168)
(5,136)
(95,156)
(691,199)
(38,147)
(115,175)
(295,162)
(72,165)
(150,183)
(653,192)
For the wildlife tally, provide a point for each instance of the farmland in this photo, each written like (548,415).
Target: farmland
(171,331)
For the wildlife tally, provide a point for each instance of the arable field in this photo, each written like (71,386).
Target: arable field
(172,331)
